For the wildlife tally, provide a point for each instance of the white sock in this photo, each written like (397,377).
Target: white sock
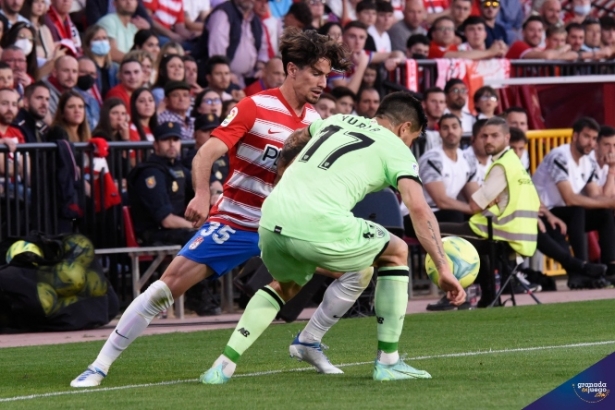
(338,299)
(228,366)
(133,322)
(388,358)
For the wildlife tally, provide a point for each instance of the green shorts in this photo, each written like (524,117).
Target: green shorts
(295,260)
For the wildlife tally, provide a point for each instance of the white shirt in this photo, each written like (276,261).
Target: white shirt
(383,42)
(601,173)
(432,139)
(481,170)
(557,166)
(436,166)
(467,120)
(193,8)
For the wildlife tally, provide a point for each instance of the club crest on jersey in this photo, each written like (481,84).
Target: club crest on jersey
(195,243)
(231,115)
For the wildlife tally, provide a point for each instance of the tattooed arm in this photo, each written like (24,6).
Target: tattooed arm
(292,146)
(428,234)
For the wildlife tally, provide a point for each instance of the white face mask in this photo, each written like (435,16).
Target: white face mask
(25,44)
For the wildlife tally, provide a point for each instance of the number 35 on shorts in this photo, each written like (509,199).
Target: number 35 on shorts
(219,233)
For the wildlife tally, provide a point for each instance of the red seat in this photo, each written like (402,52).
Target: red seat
(129,230)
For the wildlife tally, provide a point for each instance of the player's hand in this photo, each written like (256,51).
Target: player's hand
(452,287)
(197,210)
(541,226)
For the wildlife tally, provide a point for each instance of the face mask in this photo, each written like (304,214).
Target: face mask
(582,10)
(100,47)
(85,82)
(25,45)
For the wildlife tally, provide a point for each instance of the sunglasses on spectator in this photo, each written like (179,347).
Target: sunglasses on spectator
(489,98)
(492,4)
(462,91)
(210,101)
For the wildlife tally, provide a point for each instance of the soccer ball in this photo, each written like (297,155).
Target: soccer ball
(21,247)
(48,298)
(95,285)
(462,258)
(69,278)
(79,249)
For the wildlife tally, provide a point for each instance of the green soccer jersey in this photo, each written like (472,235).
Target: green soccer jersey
(347,158)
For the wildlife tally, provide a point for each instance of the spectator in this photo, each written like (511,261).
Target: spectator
(113,124)
(131,78)
(516,117)
(195,12)
(607,31)
(333,30)
(489,10)
(146,40)
(227,106)
(368,101)
(177,102)
(604,155)
(97,9)
(147,64)
(190,74)
(384,22)
(556,39)
(143,118)
(298,16)
(592,34)
(417,46)
(273,77)
(120,28)
(218,75)
(9,106)
(16,59)
(475,33)
(171,68)
(518,142)
(576,36)
(96,46)
(168,19)
(551,11)
(203,126)
(69,122)
(476,152)
(511,17)
(370,78)
(61,26)
(367,14)
(434,104)
(325,106)
(456,100)
(272,25)
(577,42)
(485,102)
(567,183)
(246,50)
(344,100)
(442,37)
(34,11)
(86,85)
(31,118)
(6,76)
(10,9)
(344,14)
(63,78)
(529,47)
(207,102)
(436,9)
(317,10)
(580,10)
(412,23)
(21,35)
(460,11)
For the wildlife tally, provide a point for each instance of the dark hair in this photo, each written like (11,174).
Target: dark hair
(605,132)
(446,117)
(355,24)
(104,124)
(517,135)
(225,107)
(551,30)
(11,37)
(29,90)
(401,106)
(26,11)
(451,83)
(585,122)
(516,109)
(141,38)
(482,91)
(302,13)
(324,29)
(364,89)
(478,125)
(163,74)
(442,18)
(365,5)
(500,122)
(432,90)
(590,21)
(530,19)
(417,39)
(83,130)
(212,62)
(607,23)
(384,7)
(473,21)
(341,92)
(4,66)
(574,26)
(134,113)
(327,96)
(128,61)
(188,58)
(305,48)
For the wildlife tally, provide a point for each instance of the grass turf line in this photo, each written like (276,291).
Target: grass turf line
(509,380)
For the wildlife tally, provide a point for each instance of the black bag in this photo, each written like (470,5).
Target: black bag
(55,285)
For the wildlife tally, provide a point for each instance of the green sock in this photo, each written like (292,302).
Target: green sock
(260,312)
(391,303)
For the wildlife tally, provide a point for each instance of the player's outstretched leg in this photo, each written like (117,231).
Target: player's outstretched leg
(181,274)
(338,299)
(260,312)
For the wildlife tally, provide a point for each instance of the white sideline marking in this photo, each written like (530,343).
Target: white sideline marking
(301,369)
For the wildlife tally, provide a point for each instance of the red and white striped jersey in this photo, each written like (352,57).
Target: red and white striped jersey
(254,131)
(166,12)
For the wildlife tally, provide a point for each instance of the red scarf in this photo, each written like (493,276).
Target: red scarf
(63,27)
(54,81)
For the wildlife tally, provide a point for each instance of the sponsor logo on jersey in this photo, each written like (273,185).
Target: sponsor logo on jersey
(270,153)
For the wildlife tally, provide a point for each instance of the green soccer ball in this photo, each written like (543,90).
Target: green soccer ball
(462,258)
(21,247)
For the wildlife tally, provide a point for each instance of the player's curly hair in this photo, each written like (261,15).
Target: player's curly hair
(401,106)
(305,48)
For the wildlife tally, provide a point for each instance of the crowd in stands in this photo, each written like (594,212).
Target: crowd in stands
(79,69)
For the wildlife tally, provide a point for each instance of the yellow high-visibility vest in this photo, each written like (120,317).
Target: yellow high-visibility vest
(517,224)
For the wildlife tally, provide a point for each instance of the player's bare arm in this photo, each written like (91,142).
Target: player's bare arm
(198,208)
(292,146)
(428,234)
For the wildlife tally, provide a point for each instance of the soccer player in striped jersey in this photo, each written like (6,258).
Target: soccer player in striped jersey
(253,135)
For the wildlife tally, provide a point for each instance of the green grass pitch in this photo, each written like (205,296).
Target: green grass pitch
(482,359)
